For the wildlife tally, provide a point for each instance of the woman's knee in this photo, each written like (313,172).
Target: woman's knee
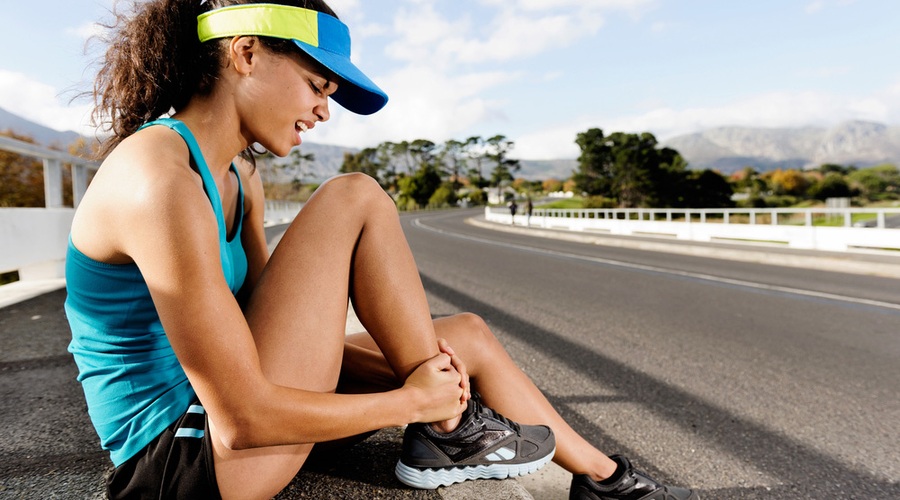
(357,190)
(471,332)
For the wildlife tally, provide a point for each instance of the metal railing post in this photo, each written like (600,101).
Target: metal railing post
(52,183)
(79,183)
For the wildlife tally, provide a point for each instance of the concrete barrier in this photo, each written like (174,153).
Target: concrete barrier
(33,241)
(698,225)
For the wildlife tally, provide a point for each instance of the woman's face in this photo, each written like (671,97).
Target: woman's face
(288,95)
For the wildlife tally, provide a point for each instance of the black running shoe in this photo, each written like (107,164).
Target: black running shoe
(632,484)
(485,445)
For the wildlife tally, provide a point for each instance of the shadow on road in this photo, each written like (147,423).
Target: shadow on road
(801,471)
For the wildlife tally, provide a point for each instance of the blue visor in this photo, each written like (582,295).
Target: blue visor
(322,37)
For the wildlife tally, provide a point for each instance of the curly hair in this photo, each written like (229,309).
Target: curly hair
(155,63)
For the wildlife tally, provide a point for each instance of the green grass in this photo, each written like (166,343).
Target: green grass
(838,220)
(563,203)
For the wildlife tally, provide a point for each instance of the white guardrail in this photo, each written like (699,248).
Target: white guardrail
(33,240)
(813,228)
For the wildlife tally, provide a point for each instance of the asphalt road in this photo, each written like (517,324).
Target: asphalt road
(744,380)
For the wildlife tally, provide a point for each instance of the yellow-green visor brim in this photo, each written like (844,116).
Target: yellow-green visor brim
(324,38)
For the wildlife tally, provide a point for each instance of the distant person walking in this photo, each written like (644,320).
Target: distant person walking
(512,210)
(529,208)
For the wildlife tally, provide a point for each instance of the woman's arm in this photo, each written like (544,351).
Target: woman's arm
(253,234)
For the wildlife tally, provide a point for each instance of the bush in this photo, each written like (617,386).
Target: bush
(405,203)
(598,202)
(442,197)
(833,185)
(752,202)
(781,201)
(887,196)
(477,197)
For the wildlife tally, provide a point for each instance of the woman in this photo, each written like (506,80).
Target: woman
(210,368)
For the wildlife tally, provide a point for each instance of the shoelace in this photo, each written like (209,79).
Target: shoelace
(480,410)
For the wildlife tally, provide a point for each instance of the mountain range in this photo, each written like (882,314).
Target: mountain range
(45,136)
(726,149)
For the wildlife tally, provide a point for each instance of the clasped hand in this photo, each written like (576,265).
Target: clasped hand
(443,384)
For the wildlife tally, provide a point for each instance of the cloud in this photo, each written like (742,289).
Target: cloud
(424,103)
(85,31)
(41,103)
(345,8)
(815,6)
(543,5)
(659,27)
(422,35)
(517,36)
(819,5)
(504,30)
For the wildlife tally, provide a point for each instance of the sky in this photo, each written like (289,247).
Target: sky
(539,71)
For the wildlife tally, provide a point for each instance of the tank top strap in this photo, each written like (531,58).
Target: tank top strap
(209,184)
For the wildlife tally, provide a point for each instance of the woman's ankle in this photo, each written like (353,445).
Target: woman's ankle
(447,425)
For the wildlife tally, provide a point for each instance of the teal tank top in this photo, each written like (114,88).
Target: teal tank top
(134,386)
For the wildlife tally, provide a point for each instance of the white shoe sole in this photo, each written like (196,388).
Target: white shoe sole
(429,479)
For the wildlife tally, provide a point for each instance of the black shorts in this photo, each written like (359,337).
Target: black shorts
(177,464)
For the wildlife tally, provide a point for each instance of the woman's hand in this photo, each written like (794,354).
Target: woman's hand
(438,388)
(457,363)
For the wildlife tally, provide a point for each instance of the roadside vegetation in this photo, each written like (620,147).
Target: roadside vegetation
(619,170)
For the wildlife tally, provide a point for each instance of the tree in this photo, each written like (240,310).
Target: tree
(474,150)
(630,169)
(422,152)
(21,177)
(498,147)
(632,177)
(882,181)
(790,182)
(828,168)
(595,164)
(274,171)
(403,153)
(709,189)
(452,155)
(295,161)
(387,170)
(365,161)
(551,185)
(833,185)
(416,190)
(671,182)
(444,195)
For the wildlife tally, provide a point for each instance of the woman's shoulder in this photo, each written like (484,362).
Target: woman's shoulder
(146,175)
(149,151)
(152,162)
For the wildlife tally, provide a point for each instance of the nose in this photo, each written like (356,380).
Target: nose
(321,110)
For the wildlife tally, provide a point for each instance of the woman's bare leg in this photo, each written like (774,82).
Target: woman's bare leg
(346,241)
(505,388)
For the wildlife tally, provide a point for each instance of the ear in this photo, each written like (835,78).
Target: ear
(242,51)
